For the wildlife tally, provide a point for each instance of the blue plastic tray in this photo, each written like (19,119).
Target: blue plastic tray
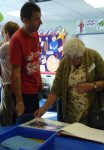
(47,136)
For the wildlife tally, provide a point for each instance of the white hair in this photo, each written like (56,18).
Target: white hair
(74,48)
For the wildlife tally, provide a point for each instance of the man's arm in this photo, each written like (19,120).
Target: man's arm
(16,69)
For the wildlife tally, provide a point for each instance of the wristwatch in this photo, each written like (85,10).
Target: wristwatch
(95,86)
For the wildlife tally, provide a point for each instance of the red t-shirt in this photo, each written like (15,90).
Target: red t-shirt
(25,51)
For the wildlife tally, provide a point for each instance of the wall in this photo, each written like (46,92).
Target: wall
(94,41)
(90,26)
(70,26)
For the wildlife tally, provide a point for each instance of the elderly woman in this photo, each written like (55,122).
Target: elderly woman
(78,78)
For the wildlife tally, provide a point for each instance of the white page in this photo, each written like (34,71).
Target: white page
(85,132)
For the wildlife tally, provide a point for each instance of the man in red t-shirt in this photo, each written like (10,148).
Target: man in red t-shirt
(24,57)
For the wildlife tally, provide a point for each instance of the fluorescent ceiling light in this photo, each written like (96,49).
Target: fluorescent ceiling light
(95,3)
(14,13)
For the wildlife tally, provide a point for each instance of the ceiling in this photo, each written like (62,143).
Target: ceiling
(52,11)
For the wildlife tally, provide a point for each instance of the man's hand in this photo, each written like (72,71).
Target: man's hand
(40,112)
(20,108)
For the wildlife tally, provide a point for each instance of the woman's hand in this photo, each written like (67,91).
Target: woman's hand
(84,88)
(40,112)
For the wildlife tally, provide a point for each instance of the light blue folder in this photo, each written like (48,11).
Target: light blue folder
(19,142)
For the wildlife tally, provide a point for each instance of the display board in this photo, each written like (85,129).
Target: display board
(51,41)
(51,53)
(94,41)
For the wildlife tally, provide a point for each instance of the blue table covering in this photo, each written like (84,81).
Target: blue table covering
(69,143)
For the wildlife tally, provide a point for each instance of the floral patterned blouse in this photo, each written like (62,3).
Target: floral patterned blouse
(77,104)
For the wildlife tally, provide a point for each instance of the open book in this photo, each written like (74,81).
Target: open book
(82,131)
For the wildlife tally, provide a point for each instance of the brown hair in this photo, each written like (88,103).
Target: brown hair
(28,9)
(11,28)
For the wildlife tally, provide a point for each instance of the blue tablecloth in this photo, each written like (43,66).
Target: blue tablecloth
(4,129)
(69,143)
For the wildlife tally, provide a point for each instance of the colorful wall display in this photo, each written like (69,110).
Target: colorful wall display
(51,41)
(90,26)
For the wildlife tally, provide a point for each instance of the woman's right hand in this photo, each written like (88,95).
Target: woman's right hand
(40,112)
(84,88)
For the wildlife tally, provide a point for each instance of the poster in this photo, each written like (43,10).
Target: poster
(90,22)
(80,26)
(100,24)
(51,42)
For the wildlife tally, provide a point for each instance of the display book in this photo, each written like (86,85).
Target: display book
(77,130)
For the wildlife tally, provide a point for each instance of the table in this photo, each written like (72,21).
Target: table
(69,143)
